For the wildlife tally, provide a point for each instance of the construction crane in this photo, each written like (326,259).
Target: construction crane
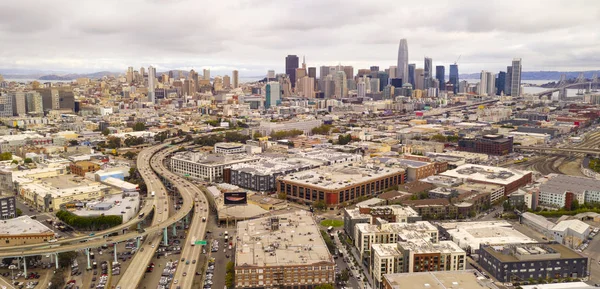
(455,62)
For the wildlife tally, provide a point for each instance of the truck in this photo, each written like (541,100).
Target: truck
(192,241)
(152,194)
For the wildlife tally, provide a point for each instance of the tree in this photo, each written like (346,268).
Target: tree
(129,155)
(345,275)
(113,142)
(344,139)
(282,196)
(65,259)
(324,286)
(257,134)
(58,279)
(15,162)
(139,126)
(230,274)
(19,212)
(574,205)
(323,129)
(105,132)
(438,138)
(319,205)
(6,156)
(73,142)
(28,160)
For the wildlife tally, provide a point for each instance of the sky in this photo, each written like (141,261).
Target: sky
(254,36)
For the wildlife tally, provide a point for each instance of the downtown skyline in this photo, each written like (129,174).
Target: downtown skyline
(98,36)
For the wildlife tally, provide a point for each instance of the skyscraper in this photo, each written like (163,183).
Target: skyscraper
(19,103)
(440,75)
(454,76)
(483,80)
(515,89)
(206,74)
(508,80)
(419,78)
(428,69)
(341,85)
(500,82)
(491,84)
(151,83)
(411,75)
(393,70)
(272,94)
(402,60)
(291,64)
(34,102)
(349,71)
(193,77)
(129,75)
(235,78)
(361,88)
(374,68)
(226,81)
(323,72)
(6,105)
(308,86)
(312,72)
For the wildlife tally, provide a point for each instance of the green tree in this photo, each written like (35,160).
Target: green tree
(28,160)
(129,155)
(282,196)
(438,138)
(257,134)
(6,156)
(230,274)
(328,242)
(139,126)
(319,205)
(345,275)
(574,205)
(15,162)
(344,139)
(113,142)
(323,129)
(324,286)
(73,142)
(58,279)
(19,212)
(65,259)
(105,132)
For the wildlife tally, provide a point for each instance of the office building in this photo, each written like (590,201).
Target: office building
(312,72)
(411,75)
(235,78)
(515,83)
(393,70)
(487,144)
(18,103)
(349,71)
(291,64)
(284,258)
(337,184)
(383,232)
(206,74)
(6,105)
(341,85)
(151,84)
(374,85)
(226,82)
(402,69)
(419,78)
(500,83)
(272,94)
(428,70)
(66,99)
(521,262)
(440,75)
(361,88)
(371,215)
(270,74)
(307,87)
(454,77)
(483,80)
(511,179)
(229,148)
(34,103)
(508,81)
(206,166)
(261,176)
(8,207)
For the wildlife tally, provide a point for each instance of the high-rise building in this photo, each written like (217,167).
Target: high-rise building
(500,82)
(270,74)
(34,102)
(374,68)
(272,94)
(491,84)
(428,69)
(411,74)
(235,78)
(323,72)
(419,78)
(440,75)
(361,88)
(328,86)
(384,79)
(341,85)
(226,81)
(19,103)
(392,71)
(402,69)
(291,64)
(312,72)
(6,105)
(508,80)
(151,84)
(142,75)
(515,89)
(349,71)
(193,77)
(206,74)
(308,86)
(300,72)
(374,85)
(483,82)
(129,75)
(454,76)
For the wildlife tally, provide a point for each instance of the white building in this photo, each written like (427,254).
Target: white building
(206,166)
(365,235)
(571,233)
(470,235)
(267,127)
(229,148)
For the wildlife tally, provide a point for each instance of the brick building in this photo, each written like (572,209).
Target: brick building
(487,144)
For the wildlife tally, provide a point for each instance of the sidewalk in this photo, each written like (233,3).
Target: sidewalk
(355,271)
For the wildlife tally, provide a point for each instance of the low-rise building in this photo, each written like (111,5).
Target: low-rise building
(511,179)
(471,235)
(520,262)
(23,231)
(368,215)
(82,167)
(124,205)
(554,190)
(365,235)
(338,184)
(284,251)
(206,166)
(229,148)
(487,144)
(465,279)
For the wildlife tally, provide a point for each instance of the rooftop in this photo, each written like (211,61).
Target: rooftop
(341,175)
(268,166)
(488,174)
(398,210)
(63,186)
(558,184)
(21,226)
(473,234)
(285,240)
(517,252)
(213,159)
(575,225)
(465,279)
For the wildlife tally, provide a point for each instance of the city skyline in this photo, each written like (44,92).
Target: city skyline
(557,38)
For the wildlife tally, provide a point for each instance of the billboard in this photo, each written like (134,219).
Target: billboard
(235,198)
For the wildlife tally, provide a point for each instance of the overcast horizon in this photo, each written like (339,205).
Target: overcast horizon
(255,36)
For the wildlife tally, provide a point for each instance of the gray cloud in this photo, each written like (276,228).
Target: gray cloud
(256,35)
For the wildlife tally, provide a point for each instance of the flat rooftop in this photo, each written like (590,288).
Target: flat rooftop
(22,225)
(213,159)
(497,175)
(473,234)
(116,203)
(340,176)
(558,184)
(286,240)
(512,252)
(63,186)
(228,145)
(465,279)
(268,166)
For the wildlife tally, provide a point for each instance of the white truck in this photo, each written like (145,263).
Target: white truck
(192,241)
(152,194)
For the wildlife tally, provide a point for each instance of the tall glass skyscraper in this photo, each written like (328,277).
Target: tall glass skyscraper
(454,76)
(440,75)
(272,94)
(402,60)
(500,82)
(411,74)
(508,80)
(291,63)
(515,84)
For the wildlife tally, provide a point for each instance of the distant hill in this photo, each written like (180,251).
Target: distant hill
(72,76)
(541,75)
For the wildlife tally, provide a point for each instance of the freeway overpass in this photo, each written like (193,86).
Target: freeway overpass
(555,149)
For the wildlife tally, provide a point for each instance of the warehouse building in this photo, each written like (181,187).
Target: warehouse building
(23,231)
(520,262)
(285,251)
(471,235)
(510,179)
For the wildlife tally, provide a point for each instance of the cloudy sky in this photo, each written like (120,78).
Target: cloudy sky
(255,35)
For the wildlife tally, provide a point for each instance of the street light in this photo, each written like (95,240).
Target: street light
(12,268)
